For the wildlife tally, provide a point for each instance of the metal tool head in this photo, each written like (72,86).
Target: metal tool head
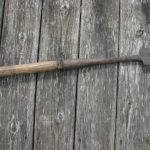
(145,55)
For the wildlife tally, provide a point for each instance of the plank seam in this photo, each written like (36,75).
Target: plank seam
(2,22)
(77,73)
(37,76)
(117,84)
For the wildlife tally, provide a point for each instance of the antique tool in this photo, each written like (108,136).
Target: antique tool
(71,64)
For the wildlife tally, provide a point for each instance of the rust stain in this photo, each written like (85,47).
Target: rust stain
(79,140)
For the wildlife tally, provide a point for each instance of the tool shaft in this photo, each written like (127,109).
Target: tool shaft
(63,64)
(77,63)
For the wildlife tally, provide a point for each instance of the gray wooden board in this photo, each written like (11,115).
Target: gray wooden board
(20,37)
(96,97)
(133,108)
(56,90)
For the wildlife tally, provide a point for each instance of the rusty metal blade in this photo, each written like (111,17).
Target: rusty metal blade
(145,55)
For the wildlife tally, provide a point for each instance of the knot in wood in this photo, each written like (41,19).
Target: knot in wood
(139,33)
(60,117)
(22,37)
(13,129)
(65,8)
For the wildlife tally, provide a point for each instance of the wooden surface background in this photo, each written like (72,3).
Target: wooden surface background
(105,107)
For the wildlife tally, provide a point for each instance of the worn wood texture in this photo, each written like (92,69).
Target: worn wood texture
(133,108)
(19,44)
(56,91)
(96,97)
(29,68)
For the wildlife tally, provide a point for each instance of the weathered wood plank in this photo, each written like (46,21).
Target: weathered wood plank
(20,38)
(55,101)
(96,100)
(133,109)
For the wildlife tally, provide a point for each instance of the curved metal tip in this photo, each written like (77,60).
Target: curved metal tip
(145,55)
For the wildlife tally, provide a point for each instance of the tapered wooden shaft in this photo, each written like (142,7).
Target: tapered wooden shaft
(28,68)
(64,64)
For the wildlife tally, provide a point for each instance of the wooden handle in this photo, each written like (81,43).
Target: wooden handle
(29,68)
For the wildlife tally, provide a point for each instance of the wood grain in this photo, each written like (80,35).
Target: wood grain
(19,44)
(96,97)
(133,107)
(56,91)
(28,68)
